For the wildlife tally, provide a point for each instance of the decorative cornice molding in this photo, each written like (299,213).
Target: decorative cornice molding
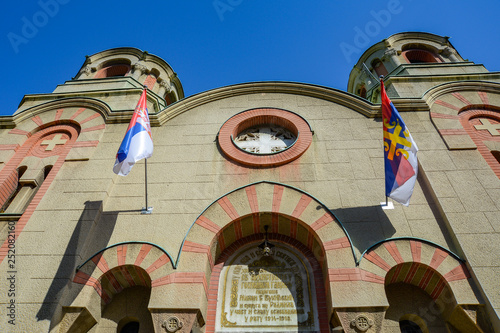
(329,94)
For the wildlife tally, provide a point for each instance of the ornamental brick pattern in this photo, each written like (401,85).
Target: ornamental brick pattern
(67,126)
(464,121)
(244,220)
(140,269)
(410,268)
(470,120)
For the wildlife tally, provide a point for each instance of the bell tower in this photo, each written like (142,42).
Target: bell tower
(411,63)
(116,77)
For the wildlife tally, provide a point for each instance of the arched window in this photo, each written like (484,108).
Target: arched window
(26,189)
(113,69)
(417,56)
(152,78)
(362,92)
(379,68)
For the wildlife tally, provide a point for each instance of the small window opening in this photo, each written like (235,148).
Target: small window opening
(496,155)
(132,327)
(113,71)
(408,326)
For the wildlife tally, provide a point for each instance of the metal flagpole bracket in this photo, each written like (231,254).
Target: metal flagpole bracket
(387,205)
(149,210)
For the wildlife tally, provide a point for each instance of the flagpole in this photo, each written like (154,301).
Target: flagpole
(386,205)
(147,209)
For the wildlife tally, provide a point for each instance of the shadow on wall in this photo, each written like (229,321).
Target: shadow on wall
(87,236)
(369,225)
(365,225)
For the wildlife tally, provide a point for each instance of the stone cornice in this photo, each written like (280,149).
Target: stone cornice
(329,94)
(85,102)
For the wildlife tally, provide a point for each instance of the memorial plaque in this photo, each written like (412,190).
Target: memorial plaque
(266,293)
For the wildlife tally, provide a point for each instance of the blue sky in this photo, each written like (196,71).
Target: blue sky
(213,43)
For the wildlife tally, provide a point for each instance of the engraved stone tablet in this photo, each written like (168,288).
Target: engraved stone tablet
(266,294)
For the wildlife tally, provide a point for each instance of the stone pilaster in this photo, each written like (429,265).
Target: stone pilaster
(392,54)
(138,69)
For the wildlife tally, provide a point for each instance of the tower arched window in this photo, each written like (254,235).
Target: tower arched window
(417,56)
(117,69)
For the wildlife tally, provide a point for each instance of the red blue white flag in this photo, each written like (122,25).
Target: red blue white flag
(138,142)
(400,154)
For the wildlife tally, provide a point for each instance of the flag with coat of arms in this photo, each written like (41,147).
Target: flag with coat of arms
(400,154)
(138,142)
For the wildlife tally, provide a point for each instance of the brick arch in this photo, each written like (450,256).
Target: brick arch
(288,211)
(240,216)
(444,290)
(90,121)
(319,282)
(417,262)
(123,265)
(419,275)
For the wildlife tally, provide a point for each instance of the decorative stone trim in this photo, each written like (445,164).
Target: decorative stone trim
(424,269)
(474,121)
(172,324)
(362,323)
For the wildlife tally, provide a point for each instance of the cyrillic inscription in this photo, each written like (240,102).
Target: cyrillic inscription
(263,293)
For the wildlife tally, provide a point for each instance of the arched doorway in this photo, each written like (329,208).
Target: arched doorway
(420,299)
(126,309)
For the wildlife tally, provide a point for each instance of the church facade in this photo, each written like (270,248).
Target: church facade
(268,206)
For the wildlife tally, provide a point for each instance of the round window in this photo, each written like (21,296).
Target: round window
(265,137)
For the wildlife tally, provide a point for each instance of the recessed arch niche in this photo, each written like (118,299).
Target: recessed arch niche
(267,293)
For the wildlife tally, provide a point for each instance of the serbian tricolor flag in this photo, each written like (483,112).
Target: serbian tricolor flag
(137,143)
(400,154)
